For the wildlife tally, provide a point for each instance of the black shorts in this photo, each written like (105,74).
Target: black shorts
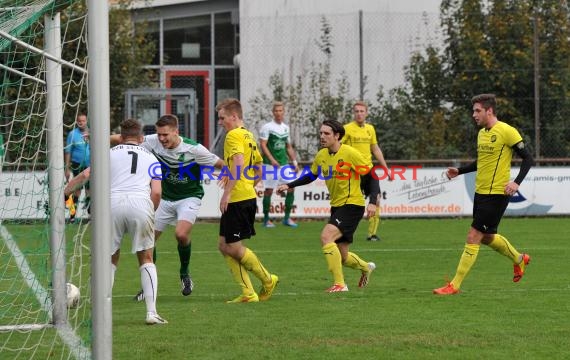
(77,169)
(346,219)
(365,183)
(488,211)
(237,222)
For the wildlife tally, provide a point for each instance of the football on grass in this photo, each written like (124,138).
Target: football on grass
(73,295)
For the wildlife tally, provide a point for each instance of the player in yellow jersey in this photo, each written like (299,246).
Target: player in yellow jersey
(362,136)
(341,166)
(496,142)
(238,204)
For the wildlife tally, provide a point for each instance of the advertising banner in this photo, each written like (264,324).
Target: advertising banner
(424,192)
(414,192)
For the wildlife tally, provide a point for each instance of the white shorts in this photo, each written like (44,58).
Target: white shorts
(170,212)
(135,216)
(283,175)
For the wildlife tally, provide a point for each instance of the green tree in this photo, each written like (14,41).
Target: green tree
(394,127)
(488,47)
(554,32)
(313,97)
(129,51)
(504,34)
(414,121)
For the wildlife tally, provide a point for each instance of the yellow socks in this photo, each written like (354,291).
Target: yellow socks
(334,262)
(252,263)
(239,269)
(467,260)
(501,245)
(241,277)
(373,222)
(353,261)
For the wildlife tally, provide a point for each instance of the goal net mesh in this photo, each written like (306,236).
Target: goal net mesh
(26,295)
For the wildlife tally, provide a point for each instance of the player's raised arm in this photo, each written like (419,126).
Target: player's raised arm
(77,182)
(115,139)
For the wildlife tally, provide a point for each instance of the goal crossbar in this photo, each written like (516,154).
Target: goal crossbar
(41,52)
(17,19)
(24,75)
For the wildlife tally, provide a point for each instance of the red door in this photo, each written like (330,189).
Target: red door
(199,81)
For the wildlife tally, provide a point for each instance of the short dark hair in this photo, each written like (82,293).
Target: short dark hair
(167,120)
(232,106)
(131,128)
(488,101)
(336,127)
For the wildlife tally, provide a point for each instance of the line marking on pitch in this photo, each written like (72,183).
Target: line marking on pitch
(43,297)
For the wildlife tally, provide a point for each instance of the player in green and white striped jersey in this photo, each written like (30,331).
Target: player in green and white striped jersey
(277,152)
(181,159)
(182,189)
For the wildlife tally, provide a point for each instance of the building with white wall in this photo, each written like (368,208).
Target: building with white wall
(281,35)
(199,42)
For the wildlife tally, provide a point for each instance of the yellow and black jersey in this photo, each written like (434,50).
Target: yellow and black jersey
(241,141)
(494,155)
(360,138)
(341,171)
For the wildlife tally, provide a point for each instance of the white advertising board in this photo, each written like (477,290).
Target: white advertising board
(427,193)
(25,195)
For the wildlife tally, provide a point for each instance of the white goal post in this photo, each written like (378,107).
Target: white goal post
(40,88)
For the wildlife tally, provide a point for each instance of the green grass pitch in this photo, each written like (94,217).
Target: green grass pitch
(395,317)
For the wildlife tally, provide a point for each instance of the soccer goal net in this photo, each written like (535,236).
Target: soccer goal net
(43,62)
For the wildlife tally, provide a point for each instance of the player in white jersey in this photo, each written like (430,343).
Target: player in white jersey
(277,153)
(135,195)
(182,160)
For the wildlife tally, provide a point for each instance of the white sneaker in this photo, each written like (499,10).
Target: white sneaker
(154,318)
(366,275)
